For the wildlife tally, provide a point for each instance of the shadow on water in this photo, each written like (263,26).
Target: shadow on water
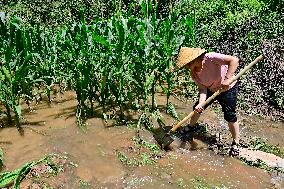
(164,137)
(110,116)
(6,123)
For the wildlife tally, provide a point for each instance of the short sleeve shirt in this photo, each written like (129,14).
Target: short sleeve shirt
(213,72)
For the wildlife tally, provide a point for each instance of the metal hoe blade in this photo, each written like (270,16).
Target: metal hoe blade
(164,138)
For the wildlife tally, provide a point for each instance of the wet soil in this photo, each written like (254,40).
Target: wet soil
(52,129)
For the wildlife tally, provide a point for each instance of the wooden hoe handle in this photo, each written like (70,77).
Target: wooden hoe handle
(218,92)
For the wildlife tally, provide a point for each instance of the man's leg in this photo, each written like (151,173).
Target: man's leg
(235,131)
(228,101)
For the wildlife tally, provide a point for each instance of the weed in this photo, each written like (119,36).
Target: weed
(217,109)
(172,111)
(146,159)
(201,183)
(262,165)
(180,183)
(140,159)
(122,157)
(260,144)
(84,184)
(145,155)
(142,143)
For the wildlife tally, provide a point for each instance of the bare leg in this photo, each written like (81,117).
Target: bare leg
(235,131)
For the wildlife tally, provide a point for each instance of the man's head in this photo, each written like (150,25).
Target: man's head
(189,57)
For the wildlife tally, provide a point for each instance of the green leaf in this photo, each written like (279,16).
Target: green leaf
(2,17)
(172,111)
(8,178)
(1,158)
(22,174)
(7,74)
(150,80)
(18,110)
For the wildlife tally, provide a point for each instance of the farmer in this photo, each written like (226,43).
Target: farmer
(211,72)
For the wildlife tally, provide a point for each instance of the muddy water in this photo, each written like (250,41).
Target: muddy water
(264,129)
(52,129)
(222,170)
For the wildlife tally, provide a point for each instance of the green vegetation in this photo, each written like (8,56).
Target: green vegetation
(145,144)
(141,159)
(1,158)
(201,183)
(262,165)
(112,62)
(144,153)
(122,56)
(119,54)
(16,177)
(259,144)
(180,183)
(84,184)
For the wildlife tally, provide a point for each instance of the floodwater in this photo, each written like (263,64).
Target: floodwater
(52,129)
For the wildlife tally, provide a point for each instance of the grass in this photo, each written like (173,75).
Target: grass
(180,183)
(262,165)
(201,183)
(17,176)
(140,160)
(142,143)
(260,144)
(84,184)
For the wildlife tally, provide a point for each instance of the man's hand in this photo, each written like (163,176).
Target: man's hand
(225,84)
(198,108)
(233,63)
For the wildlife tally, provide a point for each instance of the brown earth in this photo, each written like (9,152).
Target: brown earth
(52,129)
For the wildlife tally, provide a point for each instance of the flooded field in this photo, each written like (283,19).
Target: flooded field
(50,129)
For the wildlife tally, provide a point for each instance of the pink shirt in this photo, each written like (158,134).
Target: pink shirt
(214,70)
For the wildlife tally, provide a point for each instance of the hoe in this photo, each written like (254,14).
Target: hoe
(165,137)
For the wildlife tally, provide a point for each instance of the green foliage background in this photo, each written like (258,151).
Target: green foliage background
(244,28)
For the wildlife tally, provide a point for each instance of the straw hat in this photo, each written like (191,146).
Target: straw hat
(186,55)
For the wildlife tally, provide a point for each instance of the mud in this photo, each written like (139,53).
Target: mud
(52,129)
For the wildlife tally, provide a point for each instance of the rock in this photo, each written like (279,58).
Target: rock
(270,159)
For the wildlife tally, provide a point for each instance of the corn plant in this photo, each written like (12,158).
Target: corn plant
(17,176)
(1,158)
(119,63)
(14,74)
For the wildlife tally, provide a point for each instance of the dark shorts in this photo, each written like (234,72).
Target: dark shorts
(228,101)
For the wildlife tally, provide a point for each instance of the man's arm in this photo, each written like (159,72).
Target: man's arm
(222,59)
(202,94)
(202,97)
(233,63)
